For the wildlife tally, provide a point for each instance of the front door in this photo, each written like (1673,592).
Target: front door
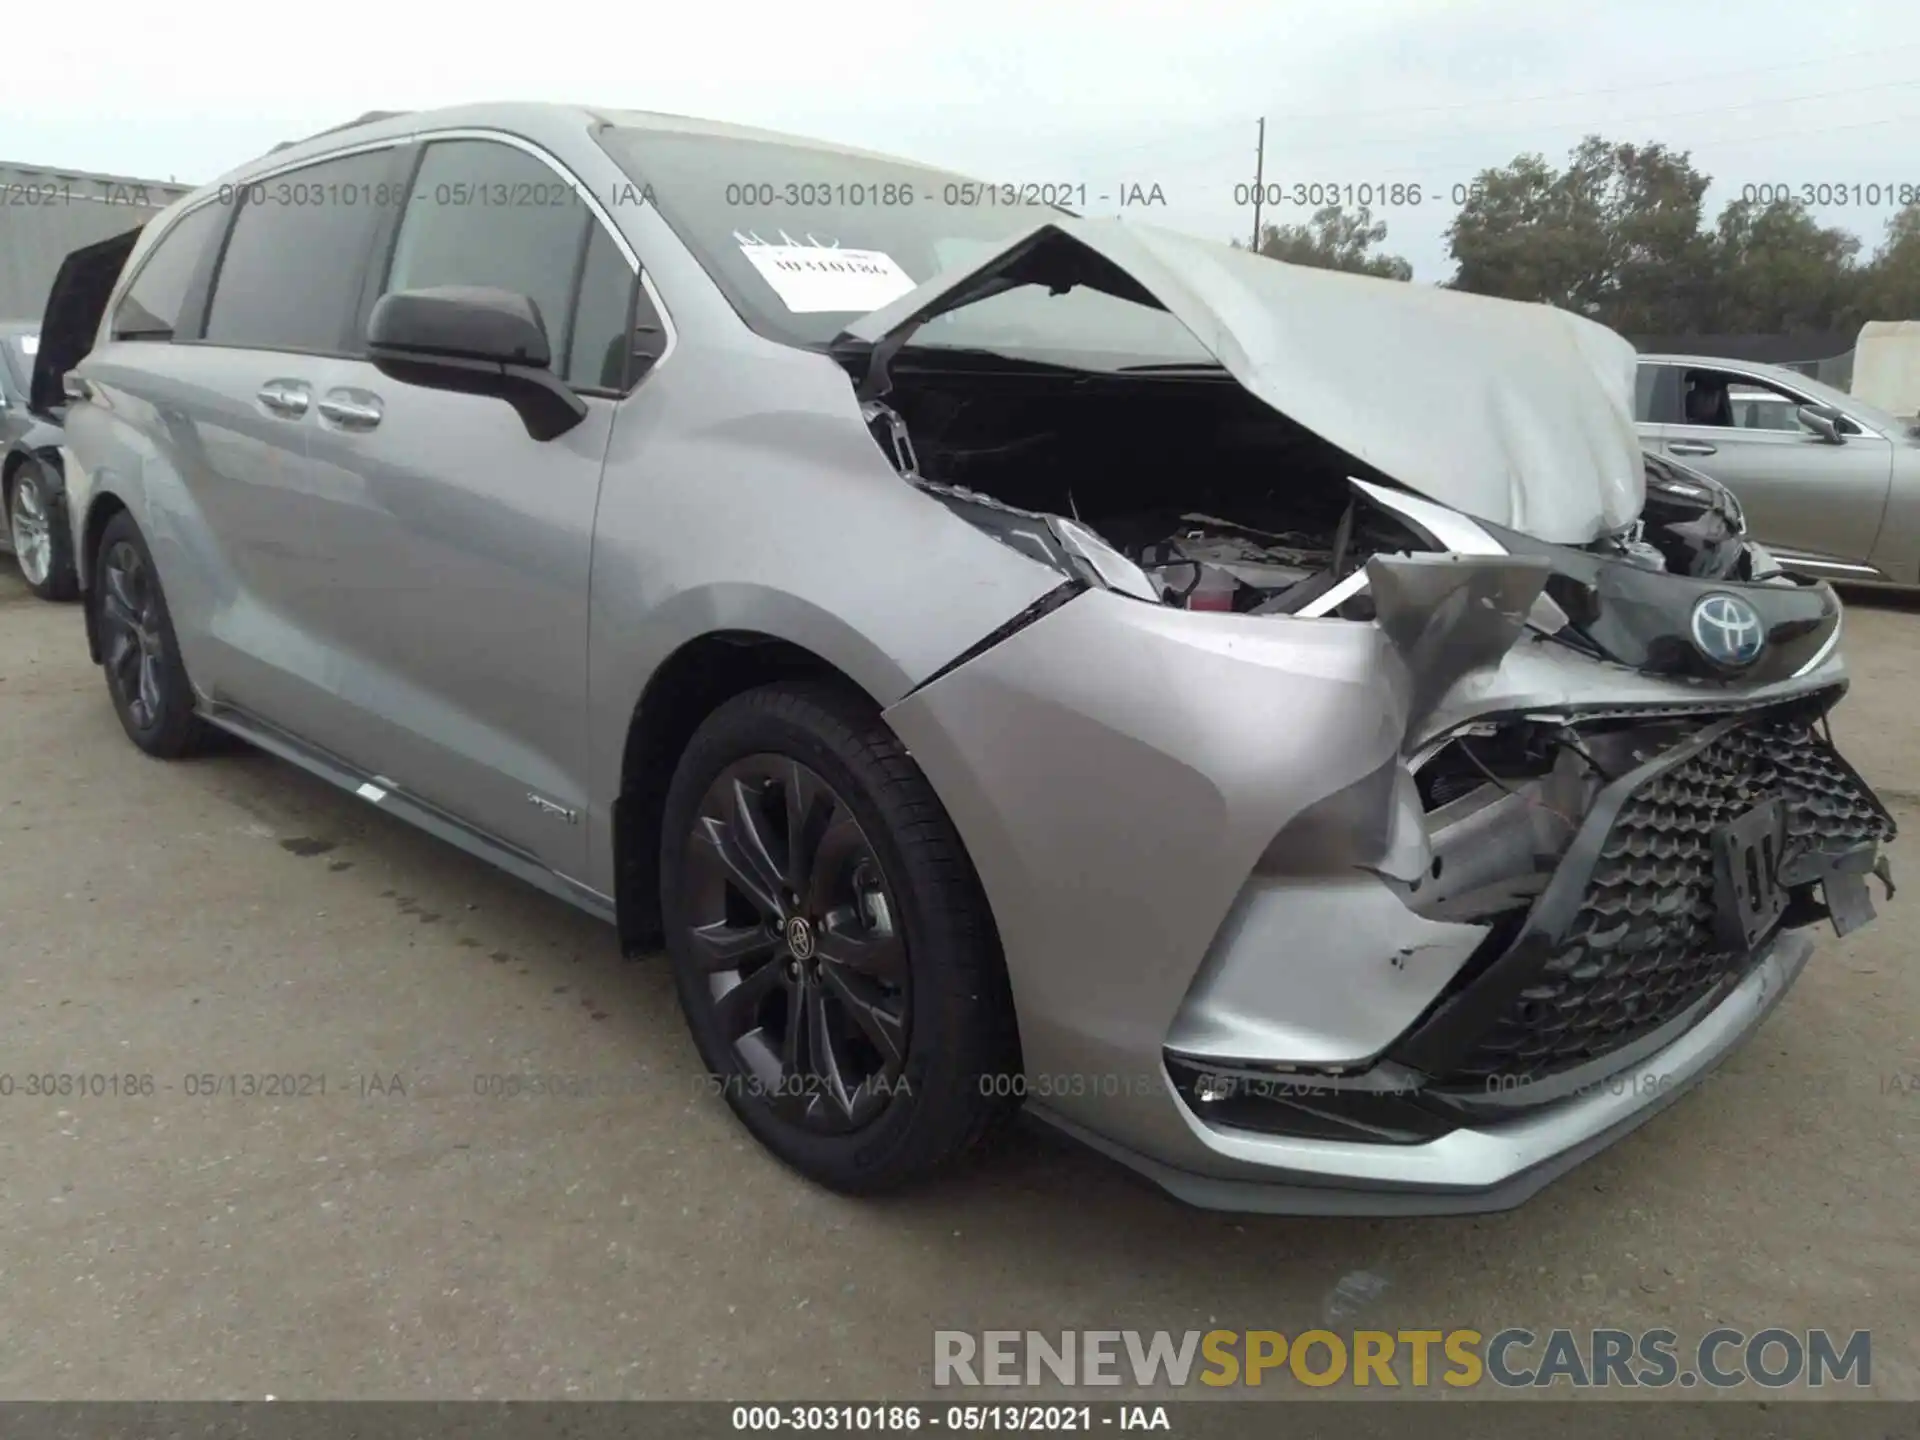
(1802,494)
(461,571)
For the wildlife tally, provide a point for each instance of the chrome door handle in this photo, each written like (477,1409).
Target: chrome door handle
(352,409)
(1692,447)
(286,398)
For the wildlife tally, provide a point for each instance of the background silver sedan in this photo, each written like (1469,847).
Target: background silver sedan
(33,497)
(1830,484)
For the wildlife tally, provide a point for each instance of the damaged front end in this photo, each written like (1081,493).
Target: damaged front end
(1625,875)
(1608,804)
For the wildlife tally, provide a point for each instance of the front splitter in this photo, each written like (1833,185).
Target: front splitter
(1468,1171)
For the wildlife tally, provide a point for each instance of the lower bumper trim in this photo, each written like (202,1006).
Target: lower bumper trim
(1471,1170)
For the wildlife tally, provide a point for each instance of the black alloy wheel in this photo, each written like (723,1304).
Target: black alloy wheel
(130,630)
(832,946)
(139,652)
(793,919)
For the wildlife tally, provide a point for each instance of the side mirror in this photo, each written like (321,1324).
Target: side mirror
(1824,421)
(476,340)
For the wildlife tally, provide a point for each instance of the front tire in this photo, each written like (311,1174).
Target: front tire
(36,527)
(140,654)
(832,948)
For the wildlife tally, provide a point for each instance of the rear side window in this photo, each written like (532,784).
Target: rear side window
(483,213)
(150,310)
(290,277)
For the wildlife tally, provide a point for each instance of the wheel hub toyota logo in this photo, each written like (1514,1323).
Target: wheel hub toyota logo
(800,938)
(1727,630)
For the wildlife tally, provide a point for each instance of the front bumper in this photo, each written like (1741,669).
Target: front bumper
(1493,1166)
(1629,936)
(1134,783)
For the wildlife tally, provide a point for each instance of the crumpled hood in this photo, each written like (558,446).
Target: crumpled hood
(1515,413)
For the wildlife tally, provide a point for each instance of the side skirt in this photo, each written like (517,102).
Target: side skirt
(1840,572)
(384,795)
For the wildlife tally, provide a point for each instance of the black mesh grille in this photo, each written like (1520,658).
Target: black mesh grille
(1642,946)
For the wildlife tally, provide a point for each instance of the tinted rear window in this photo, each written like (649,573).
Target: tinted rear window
(150,310)
(290,278)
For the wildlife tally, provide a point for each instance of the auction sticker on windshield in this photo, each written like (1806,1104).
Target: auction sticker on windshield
(810,278)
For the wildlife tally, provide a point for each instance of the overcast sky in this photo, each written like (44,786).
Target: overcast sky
(1082,94)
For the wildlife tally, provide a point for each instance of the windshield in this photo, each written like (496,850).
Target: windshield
(804,239)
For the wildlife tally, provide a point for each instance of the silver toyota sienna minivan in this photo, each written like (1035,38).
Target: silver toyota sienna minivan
(1274,725)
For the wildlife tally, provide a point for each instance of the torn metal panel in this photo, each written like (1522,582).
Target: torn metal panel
(1374,967)
(1450,615)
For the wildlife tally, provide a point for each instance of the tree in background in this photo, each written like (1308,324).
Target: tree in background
(1615,236)
(1335,239)
(1516,237)
(1776,269)
(1891,286)
(1618,235)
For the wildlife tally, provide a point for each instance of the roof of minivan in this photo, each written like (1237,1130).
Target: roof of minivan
(691,125)
(533,120)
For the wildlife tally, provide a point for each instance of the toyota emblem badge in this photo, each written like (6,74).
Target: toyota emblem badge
(1727,630)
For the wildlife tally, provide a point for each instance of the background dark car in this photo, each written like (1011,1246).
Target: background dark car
(32,489)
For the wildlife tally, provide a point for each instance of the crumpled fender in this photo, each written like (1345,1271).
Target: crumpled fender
(1449,615)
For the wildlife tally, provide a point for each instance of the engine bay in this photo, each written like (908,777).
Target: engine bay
(1185,490)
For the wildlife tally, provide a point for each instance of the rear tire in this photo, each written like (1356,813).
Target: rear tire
(140,655)
(808,871)
(35,517)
